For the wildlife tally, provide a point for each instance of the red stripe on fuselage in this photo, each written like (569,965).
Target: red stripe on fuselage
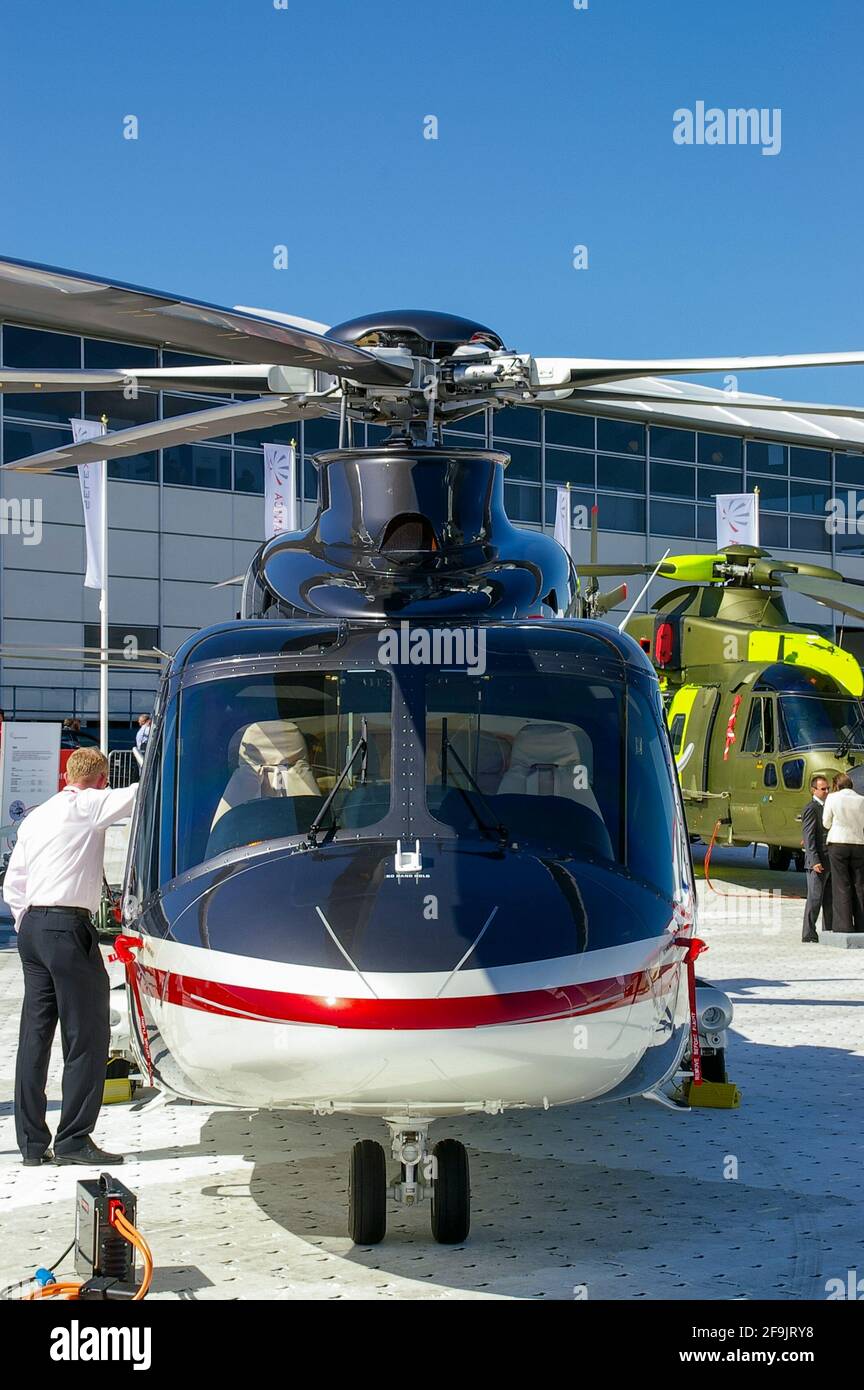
(476,1011)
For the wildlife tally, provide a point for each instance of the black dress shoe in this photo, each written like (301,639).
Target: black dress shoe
(87,1154)
(37,1162)
(810,938)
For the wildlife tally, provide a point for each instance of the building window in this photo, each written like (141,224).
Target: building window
(672,480)
(197,465)
(317,435)
(773,493)
(774,532)
(714,481)
(99,352)
(672,444)
(575,431)
(810,498)
(706,524)
(138,468)
(621,513)
(763,457)
(673,519)
(55,408)
(566,466)
(623,475)
(620,437)
(849,468)
(21,440)
(524,463)
(248,471)
(522,503)
(31,347)
(806,533)
(520,422)
(810,463)
(719,450)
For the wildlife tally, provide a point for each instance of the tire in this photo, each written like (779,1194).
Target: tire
(779,858)
(451,1193)
(714,1066)
(367,1193)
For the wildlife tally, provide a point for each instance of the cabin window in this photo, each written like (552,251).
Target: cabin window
(793,774)
(260,755)
(759,737)
(676,733)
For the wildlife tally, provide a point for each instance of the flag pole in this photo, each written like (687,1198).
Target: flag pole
(103,608)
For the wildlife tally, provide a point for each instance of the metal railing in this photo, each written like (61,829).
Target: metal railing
(123,767)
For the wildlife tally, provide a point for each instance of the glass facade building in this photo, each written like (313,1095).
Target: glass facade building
(654,486)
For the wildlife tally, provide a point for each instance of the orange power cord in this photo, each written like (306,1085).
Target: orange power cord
(793,897)
(71,1289)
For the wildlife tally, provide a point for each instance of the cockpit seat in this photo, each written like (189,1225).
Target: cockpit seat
(552,760)
(272,761)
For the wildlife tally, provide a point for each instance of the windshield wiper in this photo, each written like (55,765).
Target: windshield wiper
(447,747)
(846,744)
(361,746)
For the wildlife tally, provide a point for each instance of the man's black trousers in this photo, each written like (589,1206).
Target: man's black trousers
(65,979)
(819,897)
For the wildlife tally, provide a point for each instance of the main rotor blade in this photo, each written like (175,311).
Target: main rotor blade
(182,429)
(717,411)
(48,297)
(226,377)
(594,371)
(847,595)
(27,379)
(732,400)
(294,320)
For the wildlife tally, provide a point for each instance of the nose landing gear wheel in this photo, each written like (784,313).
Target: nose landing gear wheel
(367,1193)
(451,1193)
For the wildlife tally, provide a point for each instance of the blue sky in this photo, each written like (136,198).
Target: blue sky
(303,126)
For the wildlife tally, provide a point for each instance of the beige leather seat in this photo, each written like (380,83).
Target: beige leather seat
(272,760)
(544,762)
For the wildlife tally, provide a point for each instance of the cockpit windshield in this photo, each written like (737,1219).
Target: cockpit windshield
(817,721)
(564,758)
(540,756)
(260,756)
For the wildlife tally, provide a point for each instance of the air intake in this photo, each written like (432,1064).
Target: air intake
(409,534)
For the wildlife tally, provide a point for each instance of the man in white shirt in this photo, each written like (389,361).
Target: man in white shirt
(53,884)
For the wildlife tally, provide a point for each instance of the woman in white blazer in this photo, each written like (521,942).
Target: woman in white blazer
(843,819)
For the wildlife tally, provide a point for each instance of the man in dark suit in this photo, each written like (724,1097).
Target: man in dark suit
(816,861)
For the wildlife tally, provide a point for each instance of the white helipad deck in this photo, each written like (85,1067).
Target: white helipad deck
(628,1200)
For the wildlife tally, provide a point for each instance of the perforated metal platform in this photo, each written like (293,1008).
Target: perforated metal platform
(604,1201)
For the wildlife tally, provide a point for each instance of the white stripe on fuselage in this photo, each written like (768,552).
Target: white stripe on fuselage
(257,973)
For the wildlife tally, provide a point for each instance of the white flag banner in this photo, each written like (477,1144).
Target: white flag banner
(737,519)
(563,520)
(280,489)
(90,476)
